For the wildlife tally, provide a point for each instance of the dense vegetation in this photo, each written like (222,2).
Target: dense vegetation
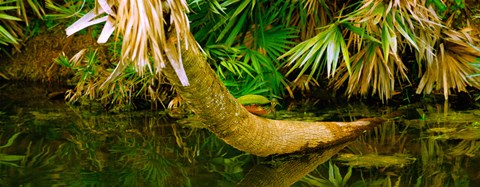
(279,49)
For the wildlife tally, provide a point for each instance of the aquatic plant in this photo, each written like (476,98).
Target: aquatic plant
(35,166)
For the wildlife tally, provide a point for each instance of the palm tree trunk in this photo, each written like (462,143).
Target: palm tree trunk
(225,117)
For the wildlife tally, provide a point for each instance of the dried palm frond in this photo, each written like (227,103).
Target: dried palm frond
(403,19)
(379,32)
(145,27)
(370,71)
(303,84)
(451,67)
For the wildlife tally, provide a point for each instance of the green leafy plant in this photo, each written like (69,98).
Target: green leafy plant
(89,74)
(12,13)
(256,46)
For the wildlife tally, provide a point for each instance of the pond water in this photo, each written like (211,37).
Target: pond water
(48,143)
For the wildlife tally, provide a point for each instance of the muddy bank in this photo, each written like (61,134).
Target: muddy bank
(35,61)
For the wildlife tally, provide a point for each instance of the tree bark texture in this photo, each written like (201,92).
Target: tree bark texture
(230,121)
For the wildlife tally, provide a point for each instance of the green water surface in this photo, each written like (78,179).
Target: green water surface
(48,143)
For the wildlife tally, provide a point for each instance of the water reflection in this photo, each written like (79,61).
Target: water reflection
(46,143)
(58,145)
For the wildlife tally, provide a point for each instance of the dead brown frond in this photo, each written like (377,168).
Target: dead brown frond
(303,83)
(150,30)
(370,71)
(176,103)
(451,66)
(379,32)
(144,27)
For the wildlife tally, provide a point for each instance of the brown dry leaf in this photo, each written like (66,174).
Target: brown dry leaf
(451,67)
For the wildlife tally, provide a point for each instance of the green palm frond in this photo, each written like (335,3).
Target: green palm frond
(215,6)
(205,15)
(319,52)
(308,16)
(249,85)
(232,24)
(229,61)
(274,41)
(257,60)
(246,71)
(266,70)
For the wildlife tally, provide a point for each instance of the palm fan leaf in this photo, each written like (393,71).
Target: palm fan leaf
(323,50)
(232,24)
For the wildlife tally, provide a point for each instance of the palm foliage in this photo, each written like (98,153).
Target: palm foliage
(88,74)
(252,37)
(12,13)
(378,33)
(451,67)
(145,47)
(256,45)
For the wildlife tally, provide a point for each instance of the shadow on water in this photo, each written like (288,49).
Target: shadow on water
(47,143)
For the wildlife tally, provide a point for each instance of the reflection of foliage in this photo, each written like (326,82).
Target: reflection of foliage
(335,178)
(232,169)
(135,154)
(8,159)
(131,149)
(469,148)
(432,158)
(36,167)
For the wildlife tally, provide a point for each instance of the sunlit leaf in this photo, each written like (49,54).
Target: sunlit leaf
(253,99)
(325,45)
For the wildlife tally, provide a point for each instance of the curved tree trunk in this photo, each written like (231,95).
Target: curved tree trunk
(224,116)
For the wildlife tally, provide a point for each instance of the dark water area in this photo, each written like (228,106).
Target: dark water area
(59,145)
(46,142)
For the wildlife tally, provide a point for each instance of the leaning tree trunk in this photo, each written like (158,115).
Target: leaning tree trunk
(230,121)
